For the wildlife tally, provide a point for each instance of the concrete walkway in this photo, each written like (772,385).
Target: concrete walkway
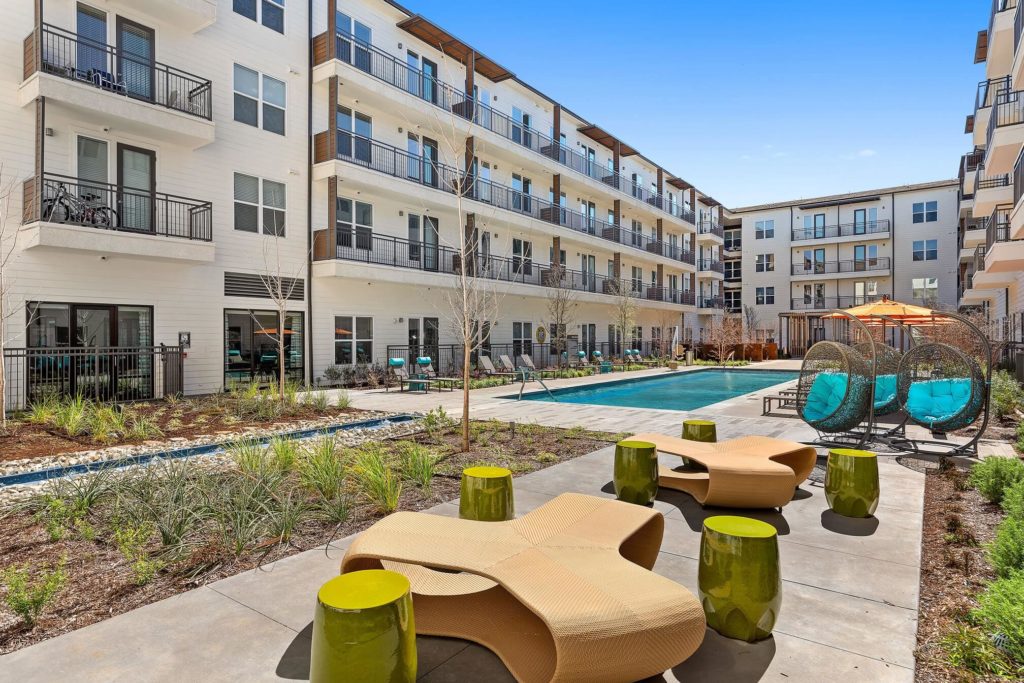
(849,595)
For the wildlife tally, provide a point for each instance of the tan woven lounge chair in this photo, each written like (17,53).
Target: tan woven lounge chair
(564,593)
(749,472)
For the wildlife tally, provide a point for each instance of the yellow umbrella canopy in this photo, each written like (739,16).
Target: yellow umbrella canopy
(894,310)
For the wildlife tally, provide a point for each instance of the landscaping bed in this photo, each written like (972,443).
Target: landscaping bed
(102,544)
(69,425)
(955,640)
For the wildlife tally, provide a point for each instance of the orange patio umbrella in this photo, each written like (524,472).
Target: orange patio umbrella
(893,310)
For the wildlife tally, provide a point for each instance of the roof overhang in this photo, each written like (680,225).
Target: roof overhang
(840,202)
(603,137)
(432,34)
(679,183)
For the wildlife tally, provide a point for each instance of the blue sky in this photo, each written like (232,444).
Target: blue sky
(777,100)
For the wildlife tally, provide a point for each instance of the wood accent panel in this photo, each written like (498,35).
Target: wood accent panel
(470,80)
(617,211)
(320,251)
(617,265)
(661,231)
(661,275)
(333,87)
(557,118)
(321,148)
(332,28)
(30,55)
(29,201)
(556,192)
(332,217)
(321,49)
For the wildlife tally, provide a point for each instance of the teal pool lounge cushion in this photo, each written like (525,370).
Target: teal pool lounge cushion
(826,395)
(937,400)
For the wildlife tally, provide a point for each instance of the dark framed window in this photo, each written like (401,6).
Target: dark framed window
(251,346)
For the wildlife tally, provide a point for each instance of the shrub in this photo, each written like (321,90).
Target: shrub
(343,401)
(56,516)
(131,540)
(317,400)
(993,475)
(1013,500)
(1007,394)
(377,480)
(1006,552)
(284,517)
(31,589)
(418,464)
(970,648)
(142,427)
(248,455)
(320,468)
(546,457)
(284,452)
(71,416)
(1000,612)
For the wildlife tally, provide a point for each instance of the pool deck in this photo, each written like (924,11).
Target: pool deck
(850,587)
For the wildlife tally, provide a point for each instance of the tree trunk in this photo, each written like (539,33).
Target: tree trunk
(466,348)
(3,363)
(280,355)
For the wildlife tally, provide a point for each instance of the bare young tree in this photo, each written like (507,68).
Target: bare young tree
(723,334)
(561,305)
(281,285)
(8,241)
(624,310)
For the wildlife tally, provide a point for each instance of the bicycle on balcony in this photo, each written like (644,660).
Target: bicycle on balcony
(88,209)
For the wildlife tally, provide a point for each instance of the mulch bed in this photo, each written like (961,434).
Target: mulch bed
(100,582)
(186,418)
(954,569)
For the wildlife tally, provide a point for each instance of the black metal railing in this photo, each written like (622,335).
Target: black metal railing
(430,88)
(65,199)
(120,71)
(830,267)
(712,302)
(710,228)
(1008,110)
(979,257)
(841,230)
(1018,28)
(430,257)
(110,374)
(815,303)
(1018,178)
(969,163)
(988,89)
(422,170)
(998,227)
(986,182)
(711,265)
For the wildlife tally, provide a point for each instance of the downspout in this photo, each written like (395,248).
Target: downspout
(892,249)
(309,193)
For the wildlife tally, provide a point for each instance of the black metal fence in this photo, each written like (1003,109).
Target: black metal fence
(1008,110)
(987,91)
(854,266)
(65,199)
(841,230)
(122,72)
(813,303)
(433,90)
(106,374)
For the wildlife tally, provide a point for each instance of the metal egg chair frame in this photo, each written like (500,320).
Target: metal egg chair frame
(831,368)
(887,359)
(967,403)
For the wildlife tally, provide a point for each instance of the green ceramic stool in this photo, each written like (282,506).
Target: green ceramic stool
(636,472)
(363,629)
(700,430)
(486,494)
(739,580)
(851,482)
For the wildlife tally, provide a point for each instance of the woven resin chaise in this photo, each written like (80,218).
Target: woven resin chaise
(564,593)
(749,472)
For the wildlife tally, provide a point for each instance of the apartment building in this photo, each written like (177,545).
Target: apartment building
(992,177)
(171,156)
(794,261)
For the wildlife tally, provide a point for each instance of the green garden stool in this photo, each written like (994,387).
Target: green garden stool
(700,430)
(851,482)
(486,494)
(363,629)
(636,471)
(739,580)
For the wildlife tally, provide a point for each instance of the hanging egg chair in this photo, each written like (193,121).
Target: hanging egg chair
(834,390)
(941,387)
(887,362)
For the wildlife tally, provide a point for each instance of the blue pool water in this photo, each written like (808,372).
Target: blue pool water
(677,391)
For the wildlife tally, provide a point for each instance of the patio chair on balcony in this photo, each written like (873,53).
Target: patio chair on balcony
(748,472)
(563,593)
(107,81)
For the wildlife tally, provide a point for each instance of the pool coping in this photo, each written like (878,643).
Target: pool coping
(647,378)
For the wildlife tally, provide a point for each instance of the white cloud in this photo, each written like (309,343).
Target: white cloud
(865,153)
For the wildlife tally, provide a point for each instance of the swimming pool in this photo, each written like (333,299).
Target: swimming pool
(677,391)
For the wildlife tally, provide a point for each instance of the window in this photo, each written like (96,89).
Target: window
(765,263)
(522,338)
(926,212)
(249,207)
(733,269)
(764,230)
(637,279)
(764,296)
(270,13)
(251,346)
(926,289)
(522,256)
(353,340)
(865,256)
(733,239)
(926,250)
(259,100)
(521,187)
(732,299)
(814,226)
(357,218)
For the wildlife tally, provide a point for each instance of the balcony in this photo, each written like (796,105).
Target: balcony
(1002,255)
(1005,134)
(62,212)
(711,265)
(712,303)
(1017,215)
(711,228)
(377,156)
(841,267)
(191,15)
(991,191)
(858,229)
(383,250)
(105,85)
(414,82)
(828,303)
(983,101)
(1001,37)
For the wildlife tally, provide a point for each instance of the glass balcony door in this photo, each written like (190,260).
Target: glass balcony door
(135,58)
